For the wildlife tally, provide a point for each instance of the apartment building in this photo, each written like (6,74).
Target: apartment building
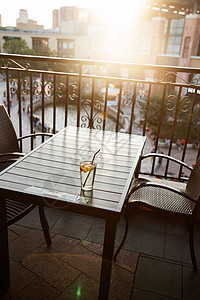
(167,33)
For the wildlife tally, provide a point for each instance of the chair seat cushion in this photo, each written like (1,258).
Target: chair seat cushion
(161,198)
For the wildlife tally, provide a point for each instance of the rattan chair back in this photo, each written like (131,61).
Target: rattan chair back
(9,144)
(8,138)
(193,185)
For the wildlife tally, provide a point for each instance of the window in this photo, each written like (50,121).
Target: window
(186,46)
(198,48)
(64,45)
(40,44)
(71,45)
(175,36)
(44,43)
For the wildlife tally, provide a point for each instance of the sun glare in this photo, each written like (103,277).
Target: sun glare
(117,14)
(120,17)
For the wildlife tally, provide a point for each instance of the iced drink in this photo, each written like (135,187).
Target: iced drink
(87,173)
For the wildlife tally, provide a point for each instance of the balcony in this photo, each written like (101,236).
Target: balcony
(160,102)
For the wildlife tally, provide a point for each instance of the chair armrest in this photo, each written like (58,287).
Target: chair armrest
(166,157)
(10,157)
(11,154)
(35,134)
(161,186)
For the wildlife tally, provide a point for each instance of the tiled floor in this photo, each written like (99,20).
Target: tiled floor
(154,264)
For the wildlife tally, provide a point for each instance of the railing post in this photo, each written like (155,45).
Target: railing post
(119,106)
(54,103)
(79,96)
(30,111)
(91,125)
(7,91)
(19,108)
(105,106)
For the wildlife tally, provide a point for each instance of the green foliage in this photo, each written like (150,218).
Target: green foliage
(168,117)
(17,46)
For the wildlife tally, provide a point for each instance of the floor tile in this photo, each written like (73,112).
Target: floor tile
(25,244)
(84,288)
(177,225)
(94,247)
(177,248)
(18,229)
(37,289)
(149,219)
(121,287)
(88,262)
(96,233)
(191,284)
(159,277)
(73,225)
(32,220)
(127,260)
(84,260)
(61,245)
(20,277)
(145,241)
(51,269)
(143,295)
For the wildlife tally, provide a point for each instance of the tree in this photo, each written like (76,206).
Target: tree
(167,120)
(17,46)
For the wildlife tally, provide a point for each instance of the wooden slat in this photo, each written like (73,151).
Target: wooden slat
(95,202)
(39,163)
(60,151)
(60,186)
(122,149)
(65,177)
(57,171)
(75,163)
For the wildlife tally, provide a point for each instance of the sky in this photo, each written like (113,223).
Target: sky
(38,10)
(41,10)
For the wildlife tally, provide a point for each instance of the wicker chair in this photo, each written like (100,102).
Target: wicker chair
(166,198)
(10,152)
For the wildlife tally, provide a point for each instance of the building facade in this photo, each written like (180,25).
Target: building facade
(166,33)
(24,23)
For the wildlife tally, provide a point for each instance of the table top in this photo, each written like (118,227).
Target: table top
(50,174)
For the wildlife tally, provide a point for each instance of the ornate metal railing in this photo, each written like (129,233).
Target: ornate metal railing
(161,102)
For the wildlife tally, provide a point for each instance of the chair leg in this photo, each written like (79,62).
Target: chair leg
(45,225)
(191,242)
(123,240)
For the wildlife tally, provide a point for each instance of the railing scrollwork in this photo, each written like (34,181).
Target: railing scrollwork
(72,93)
(7,64)
(185,104)
(13,86)
(97,118)
(169,77)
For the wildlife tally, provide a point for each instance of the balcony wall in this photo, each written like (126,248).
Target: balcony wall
(152,100)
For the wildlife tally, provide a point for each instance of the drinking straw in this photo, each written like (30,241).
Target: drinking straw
(91,170)
(94,156)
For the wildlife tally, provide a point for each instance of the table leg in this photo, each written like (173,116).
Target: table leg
(106,266)
(4,255)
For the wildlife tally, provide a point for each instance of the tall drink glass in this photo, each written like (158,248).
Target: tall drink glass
(87,174)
